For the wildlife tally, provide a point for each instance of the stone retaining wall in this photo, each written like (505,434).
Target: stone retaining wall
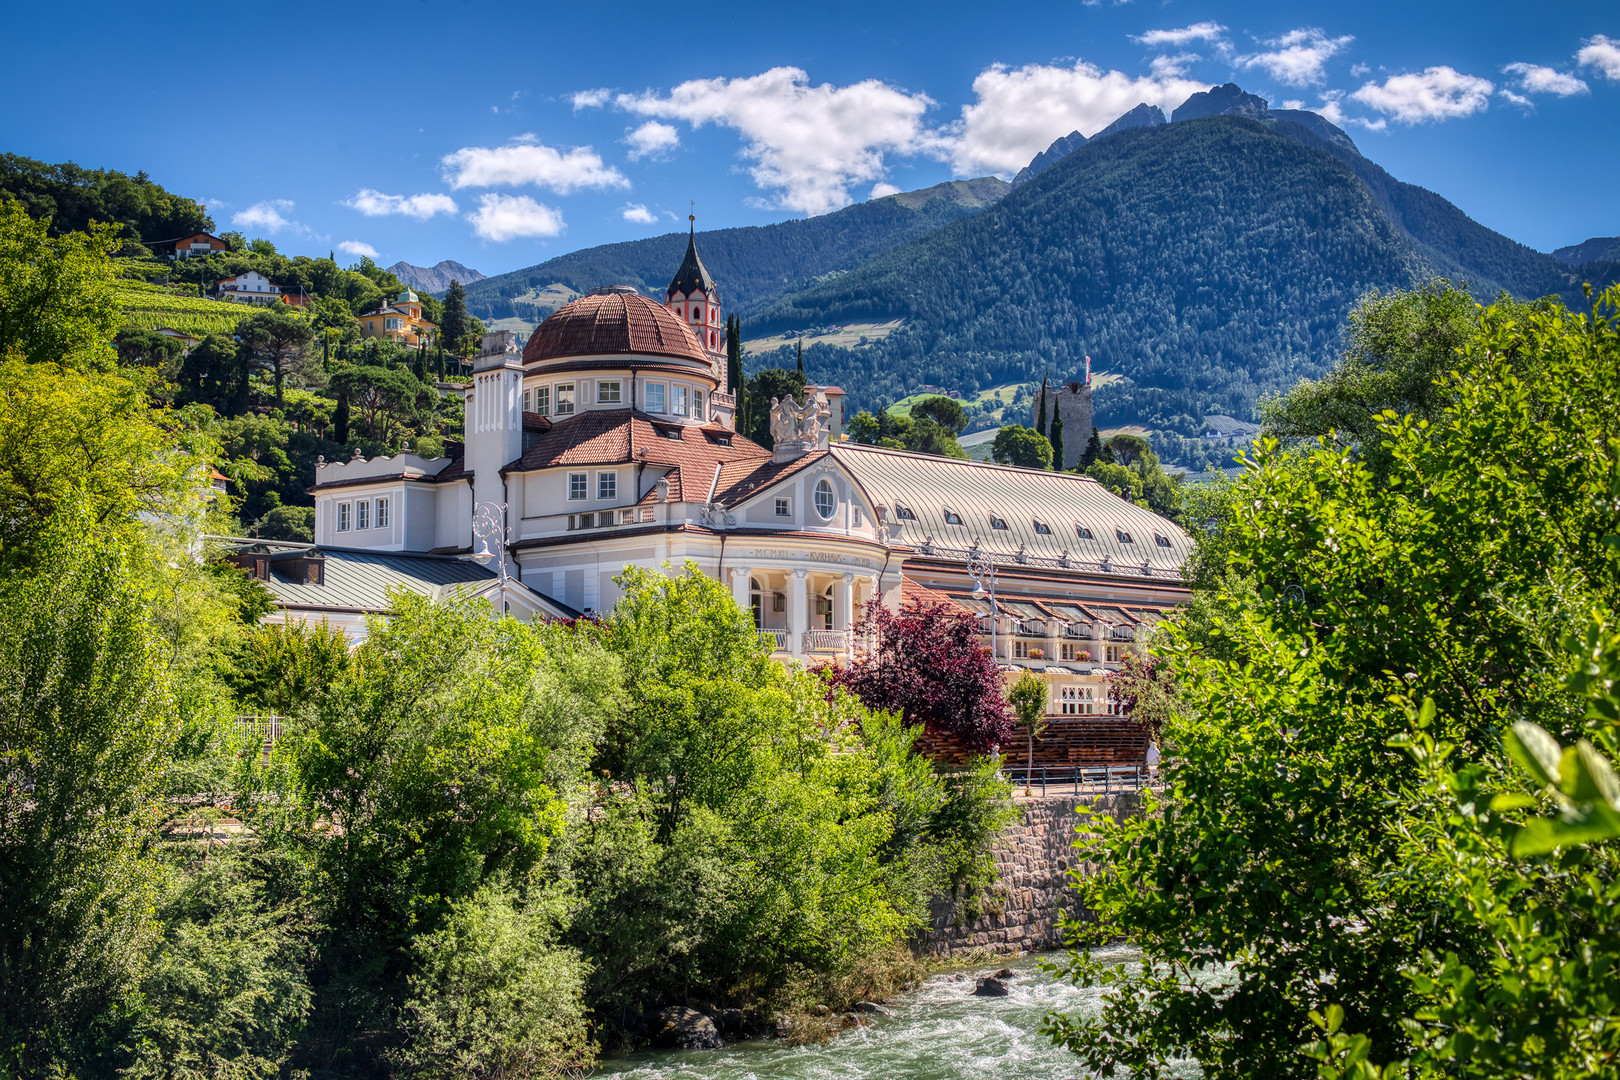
(1033,857)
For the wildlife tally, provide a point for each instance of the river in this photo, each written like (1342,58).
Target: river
(939,1031)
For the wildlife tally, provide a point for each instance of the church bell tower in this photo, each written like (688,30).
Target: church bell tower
(693,298)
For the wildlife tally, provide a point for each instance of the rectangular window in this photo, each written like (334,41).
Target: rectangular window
(1077,700)
(343,517)
(577,485)
(607,485)
(1020,650)
(855,516)
(1111,654)
(362,514)
(565,399)
(1116,704)
(542,400)
(698,405)
(382,513)
(678,394)
(528,399)
(1072,652)
(655,397)
(607,392)
(783,508)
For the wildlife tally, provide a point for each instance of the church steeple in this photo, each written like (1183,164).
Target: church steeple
(693,297)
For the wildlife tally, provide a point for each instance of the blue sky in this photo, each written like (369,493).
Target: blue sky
(501,134)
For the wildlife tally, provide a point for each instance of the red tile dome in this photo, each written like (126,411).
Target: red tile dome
(613,320)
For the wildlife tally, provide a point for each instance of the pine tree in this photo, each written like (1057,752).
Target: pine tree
(1040,409)
(1093,451)
(454,325)
(1057,439)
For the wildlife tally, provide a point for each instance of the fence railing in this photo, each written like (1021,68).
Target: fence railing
(264,729)
(776,639)
(1079,779)
(826,640)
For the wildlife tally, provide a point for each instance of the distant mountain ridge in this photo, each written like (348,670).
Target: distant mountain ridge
(1597,249)
(1208,261)
(752,265)
(436,278)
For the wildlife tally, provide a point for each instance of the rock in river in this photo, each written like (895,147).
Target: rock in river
(685,1029)
(990,986)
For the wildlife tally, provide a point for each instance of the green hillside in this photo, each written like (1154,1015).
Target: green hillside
(1207,261)
(753,265)
(151,307)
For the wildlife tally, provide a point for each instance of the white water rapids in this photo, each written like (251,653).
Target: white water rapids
(939,1031)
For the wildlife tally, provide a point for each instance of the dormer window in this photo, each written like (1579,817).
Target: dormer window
(952,517)
(997,523)
(1042,527)
(1122,536)
(1161,540)
(903,512)
(607,392)
(1083,533)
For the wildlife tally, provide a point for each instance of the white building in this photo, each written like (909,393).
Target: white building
(608,441)
(250,287)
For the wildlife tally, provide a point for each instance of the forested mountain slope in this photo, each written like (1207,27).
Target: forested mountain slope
(752,265)
(1208,260)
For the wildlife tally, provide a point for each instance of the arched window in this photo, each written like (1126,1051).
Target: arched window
(756,601)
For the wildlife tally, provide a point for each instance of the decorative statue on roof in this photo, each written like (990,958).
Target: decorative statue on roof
(800,428)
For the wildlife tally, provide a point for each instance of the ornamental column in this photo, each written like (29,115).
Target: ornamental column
(844,609)
(798,611)
(740,577)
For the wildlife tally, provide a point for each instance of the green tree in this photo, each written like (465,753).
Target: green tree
(1350,596)
(386,400)
(1092,453)
(946,412)
(1040,410)
(771,383)
(1056,438)
(734,368)
(278,341)
(1028,696)
(453,328)
(209,372)
(86,718)
(56,298)
(1021,446)
(282,668)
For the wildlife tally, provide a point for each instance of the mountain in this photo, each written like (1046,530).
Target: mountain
(1144,115)
(436,278)
(1060,148)
(753,265)
(1597,249)
(1206,261)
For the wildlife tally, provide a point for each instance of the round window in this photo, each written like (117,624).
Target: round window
(826,501)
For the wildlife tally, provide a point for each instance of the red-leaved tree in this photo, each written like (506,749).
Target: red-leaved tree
(928,666)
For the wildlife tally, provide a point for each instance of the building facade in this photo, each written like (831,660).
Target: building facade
(609,441)
(251,287)
(400,321)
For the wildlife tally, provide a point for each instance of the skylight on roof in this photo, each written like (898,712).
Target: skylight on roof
(1122,536)
(1161,540)
(1042,527)
(1083,533)
(996,522)
(951,517)
(903,512)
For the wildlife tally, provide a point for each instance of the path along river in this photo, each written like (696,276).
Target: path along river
(938,1032)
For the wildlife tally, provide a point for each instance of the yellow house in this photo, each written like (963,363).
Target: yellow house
(399,321)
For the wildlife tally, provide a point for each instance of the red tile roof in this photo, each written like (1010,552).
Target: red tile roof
(612,436)
(613,322)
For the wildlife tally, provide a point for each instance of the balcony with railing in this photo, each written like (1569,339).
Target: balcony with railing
(826,641)
(777,640)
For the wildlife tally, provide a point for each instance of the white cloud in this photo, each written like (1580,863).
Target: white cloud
(1517,99)
(653,140)
(526,161)
(1020,111)
(266,215)
(421,207)
(592,99)
(1296,58)
(1204,31)
(1602,53)
(1166,67)
(357,249)
(1331,111)
(1535,79)
(507,217)
(809,144)
(639,214)
(883,189)
(1358,70)
(1436,93)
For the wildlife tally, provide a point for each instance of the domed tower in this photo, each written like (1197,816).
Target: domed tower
(694,299)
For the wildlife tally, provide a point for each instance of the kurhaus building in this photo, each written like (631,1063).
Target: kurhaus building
(609,441)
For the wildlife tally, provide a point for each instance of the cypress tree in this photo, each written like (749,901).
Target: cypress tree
(801,356)
(1040,408)
(340,421)
(454,325)
(734,375)
(1057,441)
